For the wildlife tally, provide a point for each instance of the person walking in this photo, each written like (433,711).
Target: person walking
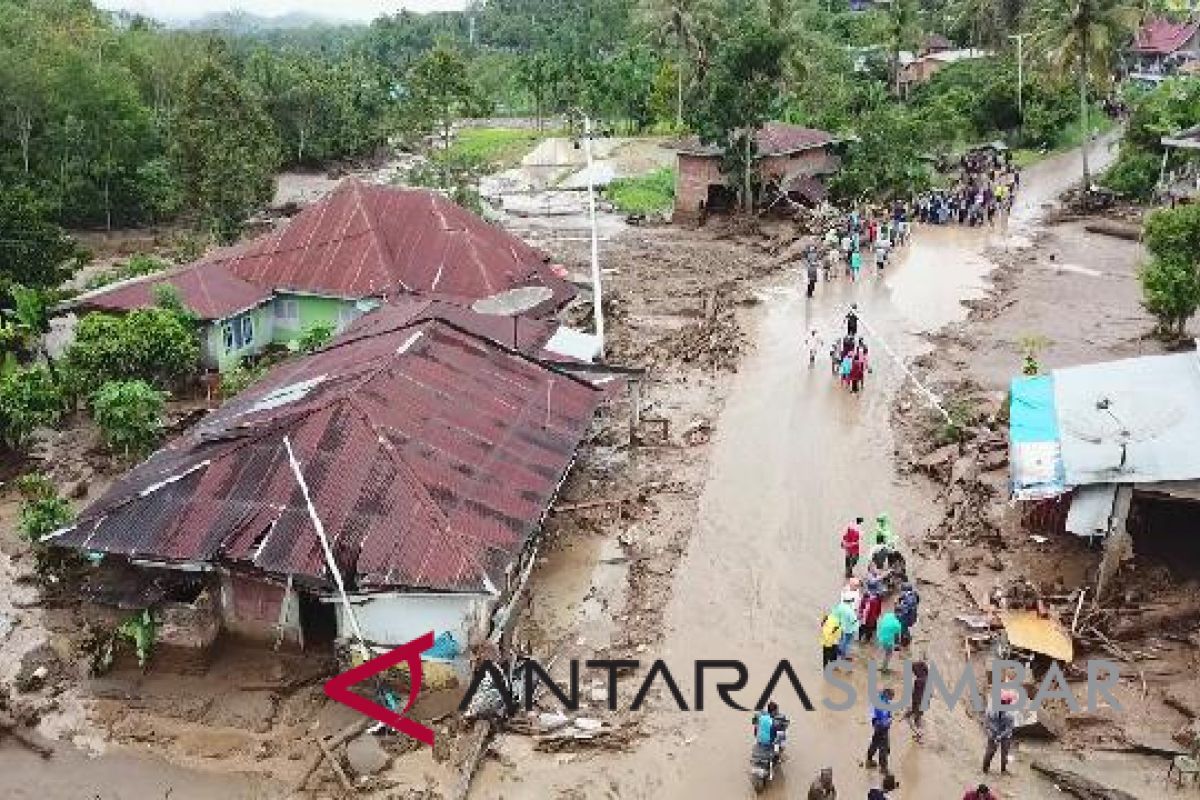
(906,611)
(858,370)
(831,637)
(855,263)
(999,725)
(852,322)
(811,271)
(881,726)
(814,346)
(887,636)
(980,792)
(870,608)
(852,545)
(822,787)
(847,614)
(887,785)
(916,712)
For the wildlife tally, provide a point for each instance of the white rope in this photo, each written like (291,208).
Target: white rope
(929,394)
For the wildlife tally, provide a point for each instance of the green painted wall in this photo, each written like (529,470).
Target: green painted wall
(313,311)
(216,354)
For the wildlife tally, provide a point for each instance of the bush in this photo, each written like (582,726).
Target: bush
(314,338)
(646,194)
(29,399)
(156,345)
(42,511)
(130,415)
(1135,174)
(234,381)
(1171,280)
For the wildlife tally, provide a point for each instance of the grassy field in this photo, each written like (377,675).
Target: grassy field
(495,147)
(644,195)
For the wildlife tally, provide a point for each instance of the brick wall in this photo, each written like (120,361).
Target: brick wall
(694,174)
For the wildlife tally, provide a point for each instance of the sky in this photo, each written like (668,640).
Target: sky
(364,10)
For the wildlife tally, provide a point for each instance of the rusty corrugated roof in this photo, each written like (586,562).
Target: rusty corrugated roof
(379,241)
(1161,36)
(431,454)
(772,139)
(208,290)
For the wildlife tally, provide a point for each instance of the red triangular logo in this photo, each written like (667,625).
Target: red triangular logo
(338,687)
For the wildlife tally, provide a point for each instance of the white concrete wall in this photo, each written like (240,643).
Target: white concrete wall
(392,619)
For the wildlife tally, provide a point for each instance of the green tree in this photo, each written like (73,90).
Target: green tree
(437,90)
(34,250)
(130,416)
(29,399)
(1171,279)
(156,345)
(904,30)
(737,96)
(225,149)
(1083,36)
(679,25)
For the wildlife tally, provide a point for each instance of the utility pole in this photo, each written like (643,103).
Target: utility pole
(1020,37)
(597,308)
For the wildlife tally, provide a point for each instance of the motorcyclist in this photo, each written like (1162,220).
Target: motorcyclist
(767,725)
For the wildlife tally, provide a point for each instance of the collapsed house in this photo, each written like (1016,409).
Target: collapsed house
(414,457)
(1119,443)
(340,257)
(794,160)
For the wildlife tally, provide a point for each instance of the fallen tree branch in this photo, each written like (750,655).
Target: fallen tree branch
(337,740)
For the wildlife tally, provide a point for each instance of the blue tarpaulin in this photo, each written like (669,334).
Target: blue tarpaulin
(1036,452)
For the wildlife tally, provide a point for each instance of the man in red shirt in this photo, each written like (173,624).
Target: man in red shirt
(850,545)
(981,792)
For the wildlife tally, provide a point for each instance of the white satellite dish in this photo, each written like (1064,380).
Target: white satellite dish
(514,301)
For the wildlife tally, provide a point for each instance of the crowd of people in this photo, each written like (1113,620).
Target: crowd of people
(876,612)
(982,194)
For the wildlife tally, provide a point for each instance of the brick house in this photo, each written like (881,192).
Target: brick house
(785,154)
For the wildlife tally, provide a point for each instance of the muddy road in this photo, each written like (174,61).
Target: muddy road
(795,457)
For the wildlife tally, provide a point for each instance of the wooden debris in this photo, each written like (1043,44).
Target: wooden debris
(1077,785)
(337,740)
(335,766)
(9,727)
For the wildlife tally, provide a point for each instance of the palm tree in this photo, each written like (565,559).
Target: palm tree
(682,23)
(903,32)
(1083,36)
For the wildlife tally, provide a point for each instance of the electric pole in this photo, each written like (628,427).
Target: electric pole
(1020,37)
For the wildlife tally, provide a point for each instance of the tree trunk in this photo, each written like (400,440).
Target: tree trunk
(300,146)
(1083,111)
(747,195)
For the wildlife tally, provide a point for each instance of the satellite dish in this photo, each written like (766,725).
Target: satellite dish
(1123,418)
(514,301)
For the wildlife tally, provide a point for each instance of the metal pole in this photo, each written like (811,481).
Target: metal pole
(597,308)
(1020,37)
(329,562)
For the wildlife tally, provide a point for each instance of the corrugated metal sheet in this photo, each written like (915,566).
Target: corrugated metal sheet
(377,241)
(772,139)
(431,455)
(208,290)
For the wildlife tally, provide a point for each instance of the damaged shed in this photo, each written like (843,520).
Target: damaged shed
(1122,440)
(426,451)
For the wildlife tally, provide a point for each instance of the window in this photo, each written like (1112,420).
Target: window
(347,315)
(238,332)
(287,312)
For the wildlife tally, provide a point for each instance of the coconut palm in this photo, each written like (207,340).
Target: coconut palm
(681,23)
(904,31)
(1082,36)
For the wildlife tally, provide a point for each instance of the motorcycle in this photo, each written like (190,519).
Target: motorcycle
(765,758)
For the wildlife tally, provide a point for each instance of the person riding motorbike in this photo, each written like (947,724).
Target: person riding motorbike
(768,725)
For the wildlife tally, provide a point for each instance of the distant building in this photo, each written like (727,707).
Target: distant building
(1160,47)
(919,70)
(337,259)
(788,157)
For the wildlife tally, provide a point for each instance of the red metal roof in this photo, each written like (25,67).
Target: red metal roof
(377,241)
(1161,36)
(210,291)
(431,455)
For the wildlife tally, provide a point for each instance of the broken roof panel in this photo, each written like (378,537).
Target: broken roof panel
(431,455)
(772,139)
(378,241)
